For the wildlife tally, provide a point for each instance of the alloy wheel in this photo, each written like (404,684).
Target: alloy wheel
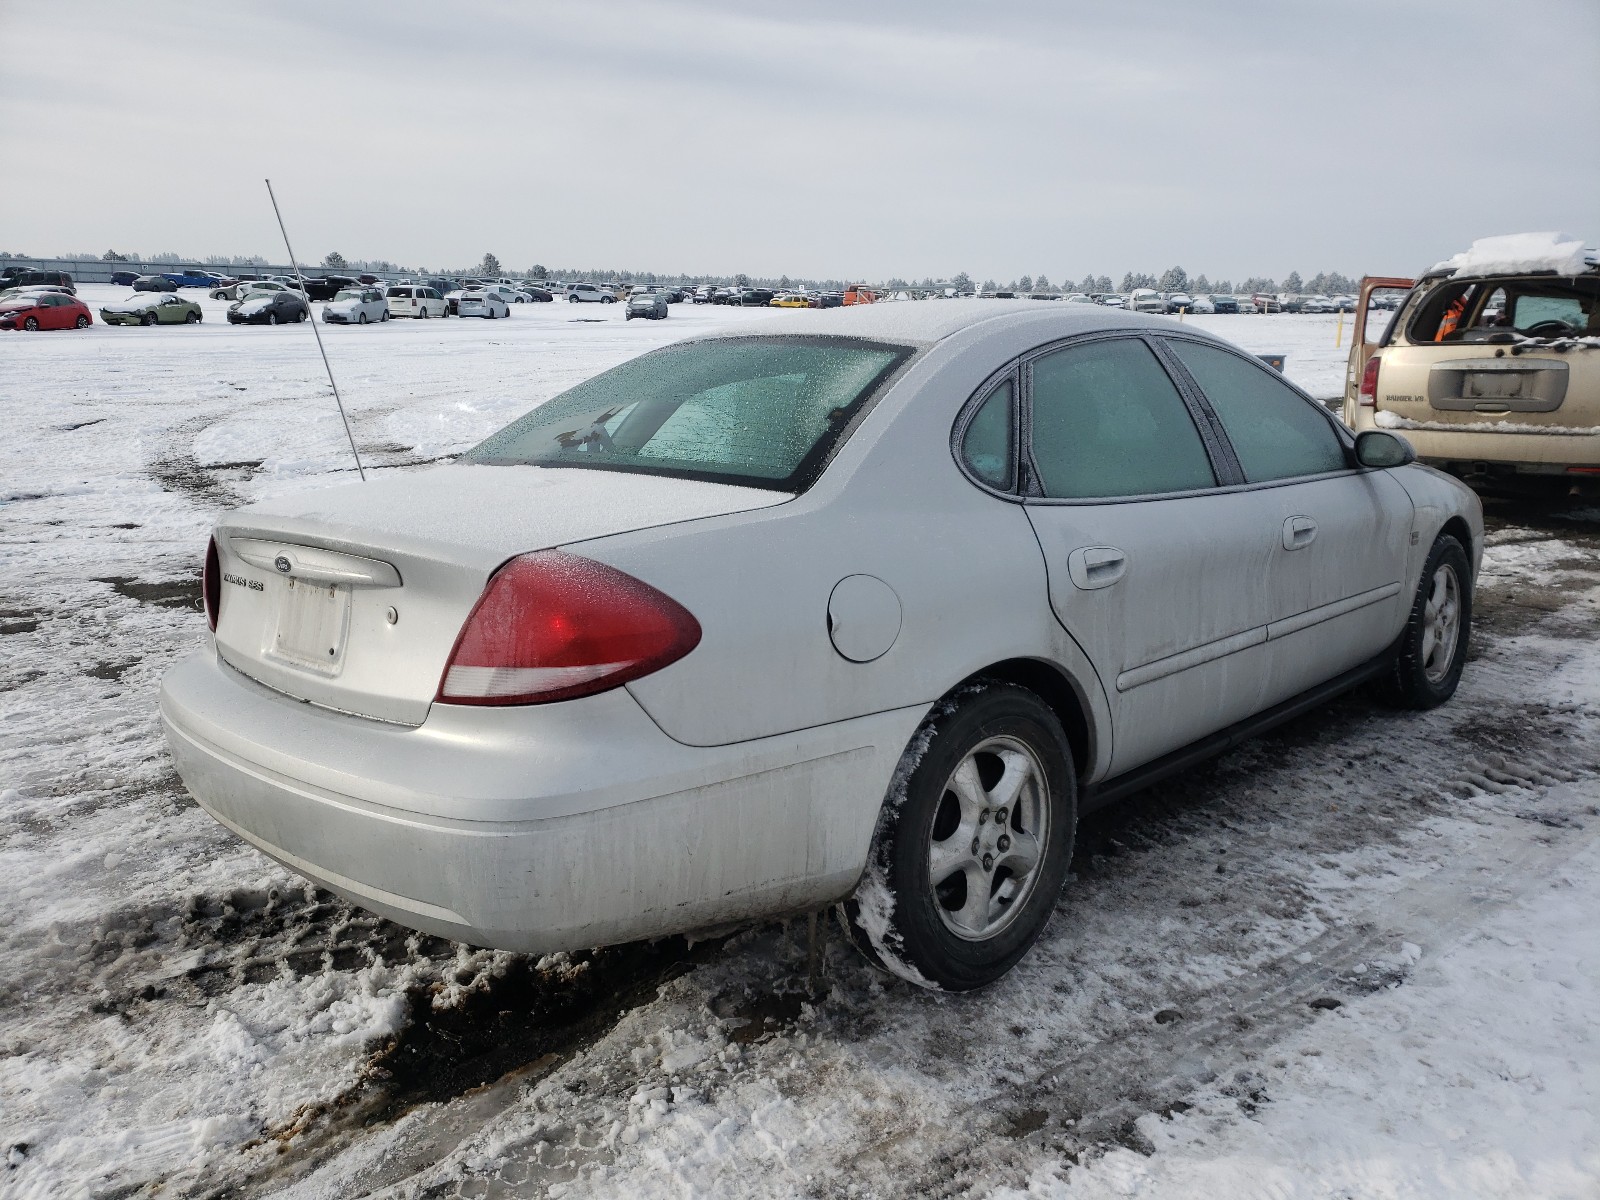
(1441,623)
(986,844)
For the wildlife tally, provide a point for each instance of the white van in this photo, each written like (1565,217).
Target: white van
(415,300)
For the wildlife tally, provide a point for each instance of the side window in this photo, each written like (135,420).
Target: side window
(986,446)
(1274,431)
(1107,421)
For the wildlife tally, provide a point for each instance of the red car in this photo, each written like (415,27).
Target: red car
(44,310)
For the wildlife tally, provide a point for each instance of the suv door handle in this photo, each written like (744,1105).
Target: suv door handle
(1298,532)
(1096,566)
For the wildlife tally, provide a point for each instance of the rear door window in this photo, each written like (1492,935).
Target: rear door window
(1276,433)
(1107,421)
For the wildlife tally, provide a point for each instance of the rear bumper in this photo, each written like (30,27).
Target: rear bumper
(1523,453)
(535,829)
(1529,453)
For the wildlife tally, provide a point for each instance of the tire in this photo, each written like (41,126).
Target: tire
(361,318)
(425,314)
(82,322)
(149,319)
(572,299)
(301,316)
(272,317)
(1433,648)
(948,790)
(191,318)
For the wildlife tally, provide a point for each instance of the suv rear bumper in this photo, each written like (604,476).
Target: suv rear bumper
(535,829)
(1536,453)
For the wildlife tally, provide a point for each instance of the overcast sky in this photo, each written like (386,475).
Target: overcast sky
(816,138)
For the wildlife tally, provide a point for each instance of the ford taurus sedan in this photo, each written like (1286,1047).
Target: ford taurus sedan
(867,612)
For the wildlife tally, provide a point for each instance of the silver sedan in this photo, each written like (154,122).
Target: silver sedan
(868,611)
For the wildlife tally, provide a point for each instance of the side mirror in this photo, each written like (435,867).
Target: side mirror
(1380,448)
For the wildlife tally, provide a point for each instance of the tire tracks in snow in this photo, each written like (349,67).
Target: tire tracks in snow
(1079,1103)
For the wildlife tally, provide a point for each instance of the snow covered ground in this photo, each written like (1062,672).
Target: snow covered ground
(1354,958)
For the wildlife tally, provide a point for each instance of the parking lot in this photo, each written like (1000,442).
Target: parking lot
(1236,946)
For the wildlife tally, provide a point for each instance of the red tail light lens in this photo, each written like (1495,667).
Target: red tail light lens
(211,584)
(1369,384)
(554,626)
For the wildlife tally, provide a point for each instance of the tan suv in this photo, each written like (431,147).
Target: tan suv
(1490,367)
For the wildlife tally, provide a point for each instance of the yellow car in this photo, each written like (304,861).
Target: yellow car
(789,300)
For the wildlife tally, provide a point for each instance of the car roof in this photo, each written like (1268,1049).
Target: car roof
(929,321)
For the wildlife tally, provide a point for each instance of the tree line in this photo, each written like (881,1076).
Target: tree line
(1173,279)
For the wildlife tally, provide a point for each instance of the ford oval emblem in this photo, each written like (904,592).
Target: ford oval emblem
(282,563)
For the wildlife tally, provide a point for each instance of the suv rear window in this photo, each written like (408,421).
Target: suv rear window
(1537,307)
(761,411)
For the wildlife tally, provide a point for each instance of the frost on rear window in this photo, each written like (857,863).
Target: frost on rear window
(760,410)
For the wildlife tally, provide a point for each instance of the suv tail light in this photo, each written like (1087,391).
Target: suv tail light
(554,626)
(211,584)
(1369,384)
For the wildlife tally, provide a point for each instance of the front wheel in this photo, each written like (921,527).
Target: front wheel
(148,319)
(361,318)
(82,321)
(192,318)
(1433,648)
(272,318)
(973,842)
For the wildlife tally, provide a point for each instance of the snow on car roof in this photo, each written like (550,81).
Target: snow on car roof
(1521,254)
(934,320)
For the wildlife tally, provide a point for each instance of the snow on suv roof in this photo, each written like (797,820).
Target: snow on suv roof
(933,320)
(1521,254)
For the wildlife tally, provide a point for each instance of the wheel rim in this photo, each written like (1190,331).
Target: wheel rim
(1441,623)
(986,847)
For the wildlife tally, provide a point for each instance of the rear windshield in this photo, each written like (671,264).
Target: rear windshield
(764,412)
(1543,307)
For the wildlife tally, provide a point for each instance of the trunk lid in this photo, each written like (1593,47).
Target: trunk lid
(352,597)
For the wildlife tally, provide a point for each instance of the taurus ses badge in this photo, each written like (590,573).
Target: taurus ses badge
(282,563)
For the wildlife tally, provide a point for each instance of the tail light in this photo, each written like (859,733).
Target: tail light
(211,584)
(554,626)
(1369,384)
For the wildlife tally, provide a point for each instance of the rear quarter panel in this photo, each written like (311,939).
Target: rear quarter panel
(965,565)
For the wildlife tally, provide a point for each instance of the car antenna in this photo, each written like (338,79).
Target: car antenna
(360,470)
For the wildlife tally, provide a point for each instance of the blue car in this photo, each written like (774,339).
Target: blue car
(125,278)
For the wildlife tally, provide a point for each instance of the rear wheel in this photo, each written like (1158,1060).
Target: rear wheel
(425,314)
(968,860)
(1433,648)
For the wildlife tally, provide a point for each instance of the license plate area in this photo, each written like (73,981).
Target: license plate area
(313,626)
(1492,385)
(1521,384)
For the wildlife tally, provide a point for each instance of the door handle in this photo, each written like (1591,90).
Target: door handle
(1298,532)
(1096,566)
